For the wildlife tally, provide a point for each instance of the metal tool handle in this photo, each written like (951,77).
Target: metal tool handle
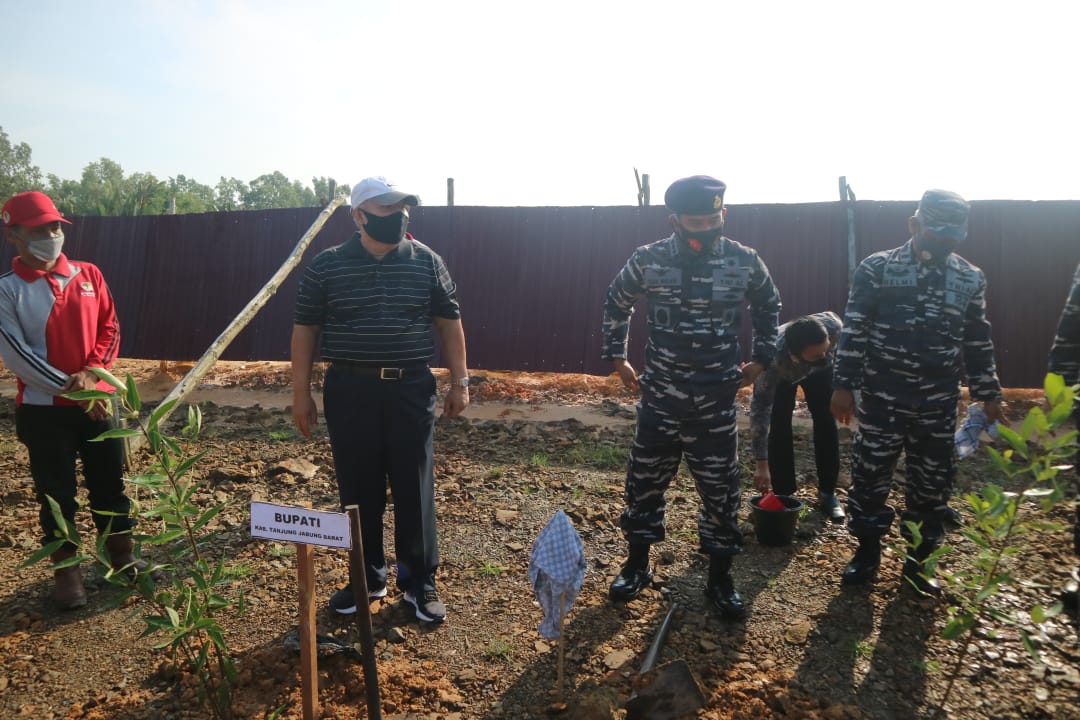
(658,642)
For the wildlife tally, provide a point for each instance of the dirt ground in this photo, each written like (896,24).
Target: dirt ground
(528,447)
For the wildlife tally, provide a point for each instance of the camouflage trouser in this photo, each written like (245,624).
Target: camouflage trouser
(927,437)
(709,445)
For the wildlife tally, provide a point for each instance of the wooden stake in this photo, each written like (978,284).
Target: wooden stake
(309,655)
(847,201)
(562,647)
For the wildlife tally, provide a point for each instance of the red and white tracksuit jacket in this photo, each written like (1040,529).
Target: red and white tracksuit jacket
(54,324)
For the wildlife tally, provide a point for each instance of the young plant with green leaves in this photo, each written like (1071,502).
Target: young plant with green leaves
(183,614)
(1004,515)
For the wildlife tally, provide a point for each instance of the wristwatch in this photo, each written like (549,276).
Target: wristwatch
(460,382)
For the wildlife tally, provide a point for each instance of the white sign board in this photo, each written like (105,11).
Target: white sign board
(300,525)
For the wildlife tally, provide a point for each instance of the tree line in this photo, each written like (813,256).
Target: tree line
(104,189)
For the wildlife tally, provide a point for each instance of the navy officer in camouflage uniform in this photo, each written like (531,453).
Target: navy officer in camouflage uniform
(1065,361)
(914,316)
(697,283)
(805,349)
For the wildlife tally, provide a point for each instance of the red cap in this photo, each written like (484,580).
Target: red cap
(31,209)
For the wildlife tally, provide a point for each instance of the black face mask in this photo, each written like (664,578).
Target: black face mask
(938,248)
(704,238)
(389,230)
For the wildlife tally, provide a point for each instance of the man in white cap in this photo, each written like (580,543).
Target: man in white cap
(58,320)
(371,304)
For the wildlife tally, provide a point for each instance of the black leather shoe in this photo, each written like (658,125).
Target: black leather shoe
(631,581)
(863,566)
(725,598)
(1070,596)
(953,518)
(912,576)
(829,506)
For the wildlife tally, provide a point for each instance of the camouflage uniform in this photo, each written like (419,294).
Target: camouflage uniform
(907,328)
(1065,361)
(784,375)
(1065,353)
(691,374)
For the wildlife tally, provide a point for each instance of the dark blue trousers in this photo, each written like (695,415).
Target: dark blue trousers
(382,431)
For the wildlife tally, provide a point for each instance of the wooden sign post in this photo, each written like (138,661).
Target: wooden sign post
(307,528)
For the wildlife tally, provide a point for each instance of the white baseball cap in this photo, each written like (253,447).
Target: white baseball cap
(381,191)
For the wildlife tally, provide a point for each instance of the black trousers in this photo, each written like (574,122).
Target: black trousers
(380,431)
(817,387)
(56,436)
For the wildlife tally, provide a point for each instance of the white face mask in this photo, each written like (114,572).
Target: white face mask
(46,249)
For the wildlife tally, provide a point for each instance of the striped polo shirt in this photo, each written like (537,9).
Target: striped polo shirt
(53,324)
(376,312)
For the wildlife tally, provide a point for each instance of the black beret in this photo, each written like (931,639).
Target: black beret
(695,195)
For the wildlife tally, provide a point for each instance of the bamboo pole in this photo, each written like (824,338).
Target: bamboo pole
(191,380)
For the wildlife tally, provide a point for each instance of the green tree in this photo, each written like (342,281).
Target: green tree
(229,194)
(143,194)
(101,189)
(277,191)
(17,173)
(191,196)
(65,193)
(326,189)
(104,190)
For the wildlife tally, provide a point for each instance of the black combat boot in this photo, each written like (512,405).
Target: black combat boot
(864,566)
(952,519)
(720,589)
(634,577)
(915,573)
(1070,594)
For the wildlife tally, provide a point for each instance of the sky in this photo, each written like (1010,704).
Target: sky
(556,102)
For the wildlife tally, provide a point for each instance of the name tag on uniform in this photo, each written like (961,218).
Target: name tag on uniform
(663,277)
(899,276)
(958,291)
(731,277)
(960,286)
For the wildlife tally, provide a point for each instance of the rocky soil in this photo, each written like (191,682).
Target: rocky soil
(808,649)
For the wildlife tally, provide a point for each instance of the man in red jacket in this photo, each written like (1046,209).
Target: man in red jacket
(57,320)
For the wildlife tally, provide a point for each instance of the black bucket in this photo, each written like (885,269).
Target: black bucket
(776,527)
